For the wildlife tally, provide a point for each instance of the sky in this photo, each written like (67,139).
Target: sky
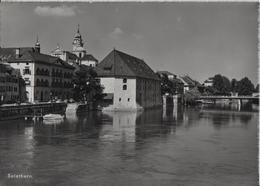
(200,39)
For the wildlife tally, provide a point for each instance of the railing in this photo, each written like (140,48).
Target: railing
(228,97)
(15,111)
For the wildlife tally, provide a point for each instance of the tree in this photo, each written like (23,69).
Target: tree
(86,85)
(234,85)
(221,84)
(190,96)
(245,87)
(257,88)
(167,86)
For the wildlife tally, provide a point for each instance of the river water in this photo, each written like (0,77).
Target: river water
(209,145)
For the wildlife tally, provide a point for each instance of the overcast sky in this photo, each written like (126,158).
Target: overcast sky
(199,39)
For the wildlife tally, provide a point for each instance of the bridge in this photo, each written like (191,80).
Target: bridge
(230,97)
(254,99)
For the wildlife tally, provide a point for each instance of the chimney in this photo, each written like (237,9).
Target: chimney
(17,52)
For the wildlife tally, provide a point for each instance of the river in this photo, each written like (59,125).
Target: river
(201,146)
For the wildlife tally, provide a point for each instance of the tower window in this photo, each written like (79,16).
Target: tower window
(124,87)
(124,80)
(119,99)
(128,99)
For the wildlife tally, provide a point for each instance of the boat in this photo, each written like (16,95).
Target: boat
(53,117)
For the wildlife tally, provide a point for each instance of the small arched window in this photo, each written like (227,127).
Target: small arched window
(124,87)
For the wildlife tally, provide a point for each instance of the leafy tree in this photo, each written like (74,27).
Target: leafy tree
(221,84)
(234,85)
(86,85)
(166,85)
(170,86)
(191,95)
(245,87)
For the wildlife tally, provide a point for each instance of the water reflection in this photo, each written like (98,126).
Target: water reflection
(126,148)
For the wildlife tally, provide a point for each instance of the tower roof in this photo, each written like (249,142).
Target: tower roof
(37,44)
(77,35)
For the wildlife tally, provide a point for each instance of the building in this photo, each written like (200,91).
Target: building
(78,55)
(177,85)
(188,82)
(46,77)
(67,56)
(11,85)
(129,83)
(208,82)
(169,75)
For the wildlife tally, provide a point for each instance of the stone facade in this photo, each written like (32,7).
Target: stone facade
(46,77)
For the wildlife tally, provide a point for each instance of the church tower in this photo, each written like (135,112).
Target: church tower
(37,45)
(78,45)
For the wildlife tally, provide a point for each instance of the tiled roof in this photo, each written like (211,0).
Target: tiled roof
(40,58)
(166,73)
(7,53)
(189,81)
(71,55)
(89,57)
(119,64)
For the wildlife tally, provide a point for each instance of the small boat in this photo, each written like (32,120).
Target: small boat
(53,117)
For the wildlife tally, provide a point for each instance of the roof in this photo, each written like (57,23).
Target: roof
(71,55)
(189,81)
(176,80)
(30,56)
(7,53)
(119,64)
(166,73)
(89,57)
(208,81)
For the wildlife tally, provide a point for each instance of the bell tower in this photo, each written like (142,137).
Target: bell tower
(78,45)
(37,45)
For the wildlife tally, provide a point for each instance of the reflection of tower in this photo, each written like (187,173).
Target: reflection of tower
(123,125)
(78,45)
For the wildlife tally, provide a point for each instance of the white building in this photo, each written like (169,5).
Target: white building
(129,83)
(45,76)
(208,82)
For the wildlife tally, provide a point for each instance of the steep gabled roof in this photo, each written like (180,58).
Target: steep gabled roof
(119,64)
(190,81)
(89,57)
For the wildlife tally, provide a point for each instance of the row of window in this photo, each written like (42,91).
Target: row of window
(8,79)
(8,89)
(62,85)
(42,83)
(42,72)
(45,72)
(128,99)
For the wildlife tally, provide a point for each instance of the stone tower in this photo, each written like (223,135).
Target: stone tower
(78,45)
